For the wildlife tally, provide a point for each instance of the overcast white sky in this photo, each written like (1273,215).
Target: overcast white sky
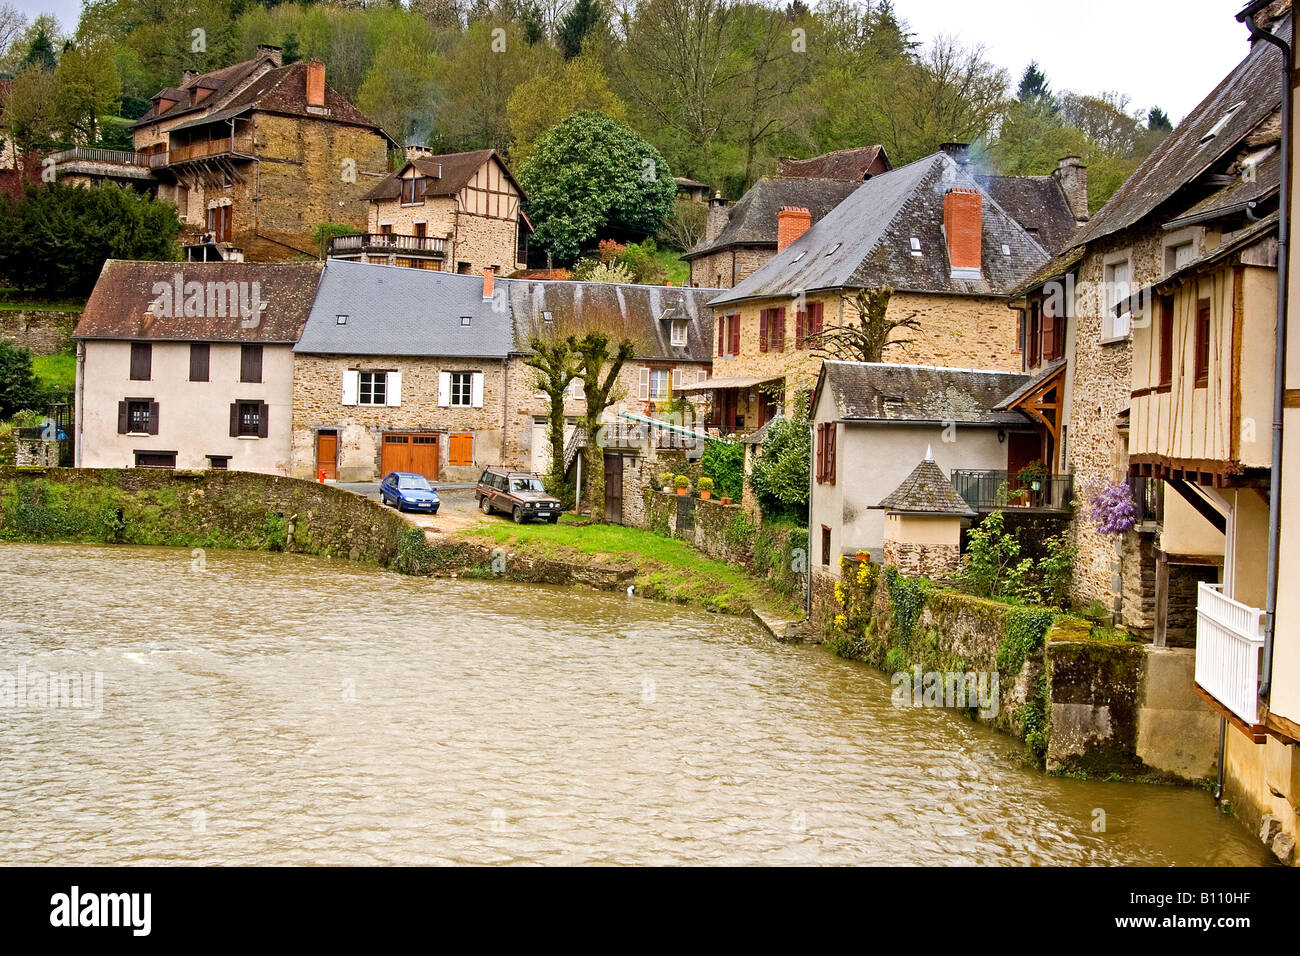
(1166,53)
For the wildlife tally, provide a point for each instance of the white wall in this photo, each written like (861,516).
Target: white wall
(193,417)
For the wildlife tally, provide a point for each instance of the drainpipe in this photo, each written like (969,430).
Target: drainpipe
(812,445)
(1247,17)
(1223,733)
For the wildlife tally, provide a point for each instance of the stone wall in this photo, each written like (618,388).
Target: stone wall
(317,404)
(935,561)
(211,509)
(728,267)
(39,452)
(40,331)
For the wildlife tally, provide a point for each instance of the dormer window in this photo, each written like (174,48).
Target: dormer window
(464,320)
(679,333)
(413,190)
(916,246)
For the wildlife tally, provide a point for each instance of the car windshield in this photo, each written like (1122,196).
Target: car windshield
(413,483)
(526,484)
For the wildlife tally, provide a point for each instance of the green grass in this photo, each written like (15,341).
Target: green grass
(57,372)
(676,270)
(667,569)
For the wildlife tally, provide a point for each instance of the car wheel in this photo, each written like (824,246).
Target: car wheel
(553,520)
(485,505)
(518,515)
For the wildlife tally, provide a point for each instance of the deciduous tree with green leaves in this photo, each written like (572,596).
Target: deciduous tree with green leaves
(599,359)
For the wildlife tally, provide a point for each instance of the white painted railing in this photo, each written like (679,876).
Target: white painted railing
(1229,639)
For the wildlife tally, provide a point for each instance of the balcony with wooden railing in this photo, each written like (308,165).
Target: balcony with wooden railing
(387,243)
(1229,644)
(233,146)
(105,163)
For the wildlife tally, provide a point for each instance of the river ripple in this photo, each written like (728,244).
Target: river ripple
(279,709)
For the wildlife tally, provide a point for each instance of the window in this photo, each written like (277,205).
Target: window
(421,230)
(1166,340)
(1115,326)
(1202,343)
(219,225)
(219,462)
(916,246)
(771,330)
(464,320)
(340,320)
(372,388)
(462,384)
(413,190)
(826,545)
(460,449)
(137,416)
(678,333)
(200,354)
(248,419)
(250,363)
(660,385)
(729,335)
(155,459)
(826,453)
(1035,334)
(1053,331)
(141,361)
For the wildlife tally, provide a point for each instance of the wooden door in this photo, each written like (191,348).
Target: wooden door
(327,454)
(614,488)
(1022,448)
(396,453)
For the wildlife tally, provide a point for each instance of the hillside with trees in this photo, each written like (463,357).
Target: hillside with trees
(718,90)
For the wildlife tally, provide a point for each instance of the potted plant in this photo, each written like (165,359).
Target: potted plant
(1033,475)
(666,482)
(706,488)
(683,485)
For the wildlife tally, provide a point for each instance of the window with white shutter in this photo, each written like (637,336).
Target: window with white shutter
(643,387)
(351,379)
(394,389)
(444,389)
(476,386)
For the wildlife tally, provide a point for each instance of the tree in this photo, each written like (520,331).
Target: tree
(590,173)
(1158,121)
(29,110)
(781,472)
(19,389)
(556,365)
(544,100)
(685,227)
(72,230)
(290,51)
(87,87)
(1033,85)
(581,19)
(12,24)
(598,360)
(867,340)
(40,54)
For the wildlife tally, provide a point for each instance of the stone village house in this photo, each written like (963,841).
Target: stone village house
(929,231)
(454,212)
(254,156)
(189,365)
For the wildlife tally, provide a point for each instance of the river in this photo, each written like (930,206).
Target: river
(275,709)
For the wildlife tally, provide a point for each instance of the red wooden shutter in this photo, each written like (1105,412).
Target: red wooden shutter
(821,452)
(763,327)
(1049,334)
(735,334)
(799,328)
(1166,340)
(815,325)
(722,328)
(830,454)
(780,328)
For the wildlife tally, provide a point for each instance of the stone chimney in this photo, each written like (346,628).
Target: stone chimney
(188,76)
(414,151)
(959,152)
(963,227)
(273,52)
(1073,177)
(791,223)
(489,277)
(717,218)
(315,83)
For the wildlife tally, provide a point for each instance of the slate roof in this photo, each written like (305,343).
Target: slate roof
(394,310)
(1031,382)
(1253,86)
(1233,197)
(866,241)
(644,309)
(119,306)
(446,174)
(224,83)
(753,219)
(927,490)
(1037,203)
(854,164)
(885,392)
(1058,267)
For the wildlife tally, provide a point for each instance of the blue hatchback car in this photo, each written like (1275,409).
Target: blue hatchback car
(408,492)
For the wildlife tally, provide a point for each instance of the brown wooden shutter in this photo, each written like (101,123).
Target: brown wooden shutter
(800,329)
(722,328)
(250,363)
(816,325)
(1166,340)
(735,334)
(1049,334)
(153,418)
(779,315)
(830,454)
(821,451)
(762,329)
(200,356)
(141,361)
(123,419)
(263,420)
(234,419)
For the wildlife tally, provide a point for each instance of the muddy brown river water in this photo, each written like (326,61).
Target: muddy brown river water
(274,709)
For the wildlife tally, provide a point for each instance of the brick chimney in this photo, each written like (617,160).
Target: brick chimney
(717,218)
(315,83)
(1073,177)
(489,276)
(791,223)
(963,227)
(265,49)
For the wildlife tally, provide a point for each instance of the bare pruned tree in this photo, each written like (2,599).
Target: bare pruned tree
(873,333)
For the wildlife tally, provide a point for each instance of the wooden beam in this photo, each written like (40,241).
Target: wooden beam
(1257,733)
(1206,510)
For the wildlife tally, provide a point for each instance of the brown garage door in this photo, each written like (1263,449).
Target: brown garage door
(411,452)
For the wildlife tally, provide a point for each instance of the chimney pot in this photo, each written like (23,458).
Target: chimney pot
(791,223)
(315,83)
(963,227)
(960,152)
(489,276)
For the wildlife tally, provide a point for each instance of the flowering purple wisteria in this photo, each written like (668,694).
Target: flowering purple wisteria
(1111,507)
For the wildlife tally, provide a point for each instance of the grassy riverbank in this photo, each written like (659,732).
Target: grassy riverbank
(664,568)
